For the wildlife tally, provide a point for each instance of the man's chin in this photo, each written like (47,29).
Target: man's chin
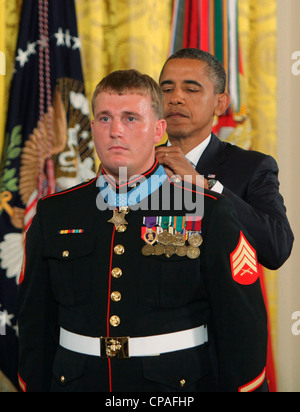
(117,161)
(116,168)
(177,135)
(176,132)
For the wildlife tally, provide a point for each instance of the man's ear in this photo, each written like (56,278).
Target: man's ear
(223,104)
(161,127)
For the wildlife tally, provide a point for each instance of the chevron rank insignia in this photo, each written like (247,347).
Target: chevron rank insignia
(244,264)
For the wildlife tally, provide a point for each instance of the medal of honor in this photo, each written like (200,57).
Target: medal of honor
(124,209)
(118,219)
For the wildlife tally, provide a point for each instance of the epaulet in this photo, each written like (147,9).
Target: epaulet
(72,189)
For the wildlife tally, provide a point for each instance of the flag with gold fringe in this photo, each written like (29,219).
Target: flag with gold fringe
(213,26)
(48,143)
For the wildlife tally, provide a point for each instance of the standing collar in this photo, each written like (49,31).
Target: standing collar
(134,180)
(135,190)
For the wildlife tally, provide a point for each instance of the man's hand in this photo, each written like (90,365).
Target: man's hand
(175,163)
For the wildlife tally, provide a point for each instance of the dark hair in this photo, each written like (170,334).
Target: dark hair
(132,81)
(215,68)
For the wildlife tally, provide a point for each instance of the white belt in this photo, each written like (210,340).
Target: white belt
(125,347)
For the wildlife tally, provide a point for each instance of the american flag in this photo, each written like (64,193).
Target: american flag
(48,141)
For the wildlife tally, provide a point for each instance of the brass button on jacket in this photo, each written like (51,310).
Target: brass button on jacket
(115,321)
(121,228)
(116,296)
(119,250)
(116,273)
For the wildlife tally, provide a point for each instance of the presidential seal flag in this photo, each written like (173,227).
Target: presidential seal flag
(48,145)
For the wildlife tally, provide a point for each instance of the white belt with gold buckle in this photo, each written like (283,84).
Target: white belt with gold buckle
(125,347)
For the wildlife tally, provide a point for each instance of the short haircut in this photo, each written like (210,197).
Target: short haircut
(215,68)
(132,81)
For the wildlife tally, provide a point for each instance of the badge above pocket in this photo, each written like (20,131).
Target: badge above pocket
(69,245)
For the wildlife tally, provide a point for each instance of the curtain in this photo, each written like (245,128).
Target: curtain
(122,34)
(2,73)
(258,34)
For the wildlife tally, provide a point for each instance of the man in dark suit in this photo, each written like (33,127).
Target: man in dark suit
(128,285)
(193,83)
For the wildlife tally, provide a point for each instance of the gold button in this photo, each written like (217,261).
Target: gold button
(62,379)
(116,296)
(116,273)
(65,254)
(121,228)
(119,250)
(182,383)
(115,321)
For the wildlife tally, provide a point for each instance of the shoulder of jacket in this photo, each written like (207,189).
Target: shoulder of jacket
(71,190)
(246,154)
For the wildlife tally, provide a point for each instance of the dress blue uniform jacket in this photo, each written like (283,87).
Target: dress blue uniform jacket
(250,181)
(160,295)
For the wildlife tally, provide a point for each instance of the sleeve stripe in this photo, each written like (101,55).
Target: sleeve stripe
(22,384)
(253,385)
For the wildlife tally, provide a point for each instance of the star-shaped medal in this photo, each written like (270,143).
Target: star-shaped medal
(118,219)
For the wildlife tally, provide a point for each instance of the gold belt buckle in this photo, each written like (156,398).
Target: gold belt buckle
(114,348)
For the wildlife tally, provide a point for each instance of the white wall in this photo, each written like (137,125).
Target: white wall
(288,363)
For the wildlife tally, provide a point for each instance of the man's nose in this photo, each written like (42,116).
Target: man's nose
(176,97)
(117,129)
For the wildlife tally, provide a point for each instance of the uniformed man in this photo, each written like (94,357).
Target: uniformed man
(128,284)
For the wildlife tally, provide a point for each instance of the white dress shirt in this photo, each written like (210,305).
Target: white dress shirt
(195,155)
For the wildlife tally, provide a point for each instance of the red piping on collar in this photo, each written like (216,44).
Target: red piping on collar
(194,191)
(131,181)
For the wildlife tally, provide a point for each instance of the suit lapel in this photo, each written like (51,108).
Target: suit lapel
(212,158)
